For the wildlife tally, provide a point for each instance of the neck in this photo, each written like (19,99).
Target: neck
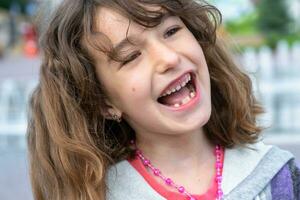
(191,150)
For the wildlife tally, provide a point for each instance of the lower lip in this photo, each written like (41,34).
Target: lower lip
(193,102)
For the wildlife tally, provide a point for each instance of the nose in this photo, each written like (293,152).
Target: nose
(164,56)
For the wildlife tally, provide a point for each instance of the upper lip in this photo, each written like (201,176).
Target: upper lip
(175,82)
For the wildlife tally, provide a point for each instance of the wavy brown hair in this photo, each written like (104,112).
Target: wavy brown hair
(71,144)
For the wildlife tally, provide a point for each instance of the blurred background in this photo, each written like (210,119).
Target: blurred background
(264,36)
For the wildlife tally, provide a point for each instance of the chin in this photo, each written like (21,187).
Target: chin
(193,123)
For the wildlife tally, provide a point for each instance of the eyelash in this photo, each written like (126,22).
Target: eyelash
(176,29)
(133,56)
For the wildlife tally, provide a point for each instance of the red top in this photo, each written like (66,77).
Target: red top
(171,195)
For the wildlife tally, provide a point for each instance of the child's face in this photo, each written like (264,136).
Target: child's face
(161,55)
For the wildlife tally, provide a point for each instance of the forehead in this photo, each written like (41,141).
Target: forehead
(114,25)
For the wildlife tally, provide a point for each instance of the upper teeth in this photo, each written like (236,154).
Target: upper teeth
(177,87)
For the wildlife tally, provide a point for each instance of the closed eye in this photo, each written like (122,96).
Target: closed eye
(171,31)
(131,57)
(136,54)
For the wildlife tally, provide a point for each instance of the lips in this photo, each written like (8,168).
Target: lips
(179,92)
(176,83)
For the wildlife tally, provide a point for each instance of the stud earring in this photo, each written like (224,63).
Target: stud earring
(115,117)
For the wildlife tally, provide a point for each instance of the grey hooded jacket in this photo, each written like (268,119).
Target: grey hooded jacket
(260,172)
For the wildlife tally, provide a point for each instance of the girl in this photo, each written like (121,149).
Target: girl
(138,99)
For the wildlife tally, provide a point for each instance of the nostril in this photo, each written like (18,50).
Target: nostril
(167,60)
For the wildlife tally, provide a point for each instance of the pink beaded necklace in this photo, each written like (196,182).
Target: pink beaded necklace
(168,181)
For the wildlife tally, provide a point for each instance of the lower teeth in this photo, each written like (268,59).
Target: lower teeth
(185,100)
(176,105)
(192,94)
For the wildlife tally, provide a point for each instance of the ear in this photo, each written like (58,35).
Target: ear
(111,110)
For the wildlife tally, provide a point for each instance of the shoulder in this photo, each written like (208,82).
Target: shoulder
(125,183)
(286,183)
(249,170)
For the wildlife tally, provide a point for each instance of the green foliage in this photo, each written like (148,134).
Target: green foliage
(291,38)
(274,20)
(7,3)
(245,25)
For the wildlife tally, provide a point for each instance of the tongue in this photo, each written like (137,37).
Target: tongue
(175,97)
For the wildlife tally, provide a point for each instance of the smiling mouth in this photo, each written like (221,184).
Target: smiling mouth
(181,94)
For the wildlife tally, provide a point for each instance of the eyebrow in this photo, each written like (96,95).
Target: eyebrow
(128,40)
(125,42)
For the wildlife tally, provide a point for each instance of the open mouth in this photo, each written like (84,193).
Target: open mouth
(181,93)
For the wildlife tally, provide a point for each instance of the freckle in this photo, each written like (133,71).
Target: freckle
(133,89)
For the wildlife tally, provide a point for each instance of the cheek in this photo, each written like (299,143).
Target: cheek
(195,50)
(198,55)
(134,90)
(137,82)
